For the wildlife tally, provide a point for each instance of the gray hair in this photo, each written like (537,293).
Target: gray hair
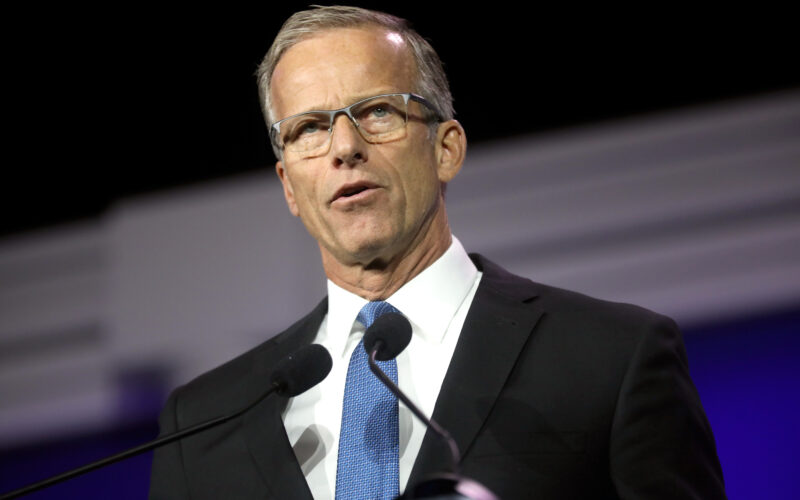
(431,80)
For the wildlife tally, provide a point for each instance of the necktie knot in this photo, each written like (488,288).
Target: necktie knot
(373,310)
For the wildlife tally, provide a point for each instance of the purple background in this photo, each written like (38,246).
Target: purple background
(747,373)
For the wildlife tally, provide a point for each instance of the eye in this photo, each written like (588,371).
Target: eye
(379,111)
(305,128)
(308,128)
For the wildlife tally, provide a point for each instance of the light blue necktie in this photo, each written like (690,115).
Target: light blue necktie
(369,443)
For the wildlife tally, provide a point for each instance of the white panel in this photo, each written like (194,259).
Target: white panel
(202,274)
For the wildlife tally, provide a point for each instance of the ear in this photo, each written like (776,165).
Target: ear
(451,149)
(288,190)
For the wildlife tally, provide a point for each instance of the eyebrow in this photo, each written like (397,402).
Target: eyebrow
(360,97)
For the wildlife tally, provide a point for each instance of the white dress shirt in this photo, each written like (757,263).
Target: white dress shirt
(436,302)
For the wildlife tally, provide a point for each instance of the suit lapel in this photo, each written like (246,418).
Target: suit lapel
(497,326)
(264,431)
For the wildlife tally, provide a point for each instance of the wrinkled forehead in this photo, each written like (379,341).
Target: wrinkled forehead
(337,67)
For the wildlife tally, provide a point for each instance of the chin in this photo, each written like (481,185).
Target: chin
(372,250)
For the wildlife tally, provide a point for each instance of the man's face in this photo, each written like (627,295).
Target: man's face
(362,202)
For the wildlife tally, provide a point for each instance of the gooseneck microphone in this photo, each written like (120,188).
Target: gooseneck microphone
(388,336)
(384,340)
(293,375)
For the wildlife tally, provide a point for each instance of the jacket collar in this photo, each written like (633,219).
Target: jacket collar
(501,318)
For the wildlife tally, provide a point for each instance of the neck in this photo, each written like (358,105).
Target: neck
(379,278)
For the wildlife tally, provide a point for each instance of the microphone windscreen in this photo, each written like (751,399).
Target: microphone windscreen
(394,330)
(301,370)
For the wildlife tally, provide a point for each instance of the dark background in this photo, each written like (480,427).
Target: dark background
(108,102)
(104,103)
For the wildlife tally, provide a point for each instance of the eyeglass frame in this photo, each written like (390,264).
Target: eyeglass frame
(275,129)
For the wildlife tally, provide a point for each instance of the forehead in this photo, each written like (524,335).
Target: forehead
(337,67)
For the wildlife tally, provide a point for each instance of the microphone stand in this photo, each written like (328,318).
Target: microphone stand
(136,450)
(442,486)
(441,432)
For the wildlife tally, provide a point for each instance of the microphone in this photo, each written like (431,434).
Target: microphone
(389,334)
(293,375)
(384,340)
(300,371)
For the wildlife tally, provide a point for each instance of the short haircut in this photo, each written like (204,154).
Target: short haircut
(431,79)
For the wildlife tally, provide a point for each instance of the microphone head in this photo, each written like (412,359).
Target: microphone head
(394,333)
(301,370)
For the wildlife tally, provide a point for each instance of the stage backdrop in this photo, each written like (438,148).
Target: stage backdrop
(693,213)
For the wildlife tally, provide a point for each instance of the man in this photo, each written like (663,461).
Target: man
(548,393)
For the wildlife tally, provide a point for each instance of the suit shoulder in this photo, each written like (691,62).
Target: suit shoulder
(611,334)
(225,387)
(574,311)
(578,305)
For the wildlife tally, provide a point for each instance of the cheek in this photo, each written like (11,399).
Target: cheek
(304,193)
(422,177)
(304,182)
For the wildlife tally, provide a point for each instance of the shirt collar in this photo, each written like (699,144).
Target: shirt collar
(429,301)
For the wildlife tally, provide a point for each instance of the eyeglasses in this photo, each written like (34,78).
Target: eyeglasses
(379,119)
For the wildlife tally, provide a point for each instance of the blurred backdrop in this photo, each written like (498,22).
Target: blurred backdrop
(645,157)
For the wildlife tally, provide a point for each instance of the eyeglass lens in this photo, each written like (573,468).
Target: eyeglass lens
(379,119)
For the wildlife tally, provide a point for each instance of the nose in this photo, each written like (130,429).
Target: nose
(348,147)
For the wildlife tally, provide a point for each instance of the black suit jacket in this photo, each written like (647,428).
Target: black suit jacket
(549,394)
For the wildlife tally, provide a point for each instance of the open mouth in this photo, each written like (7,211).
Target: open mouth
(350,190)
